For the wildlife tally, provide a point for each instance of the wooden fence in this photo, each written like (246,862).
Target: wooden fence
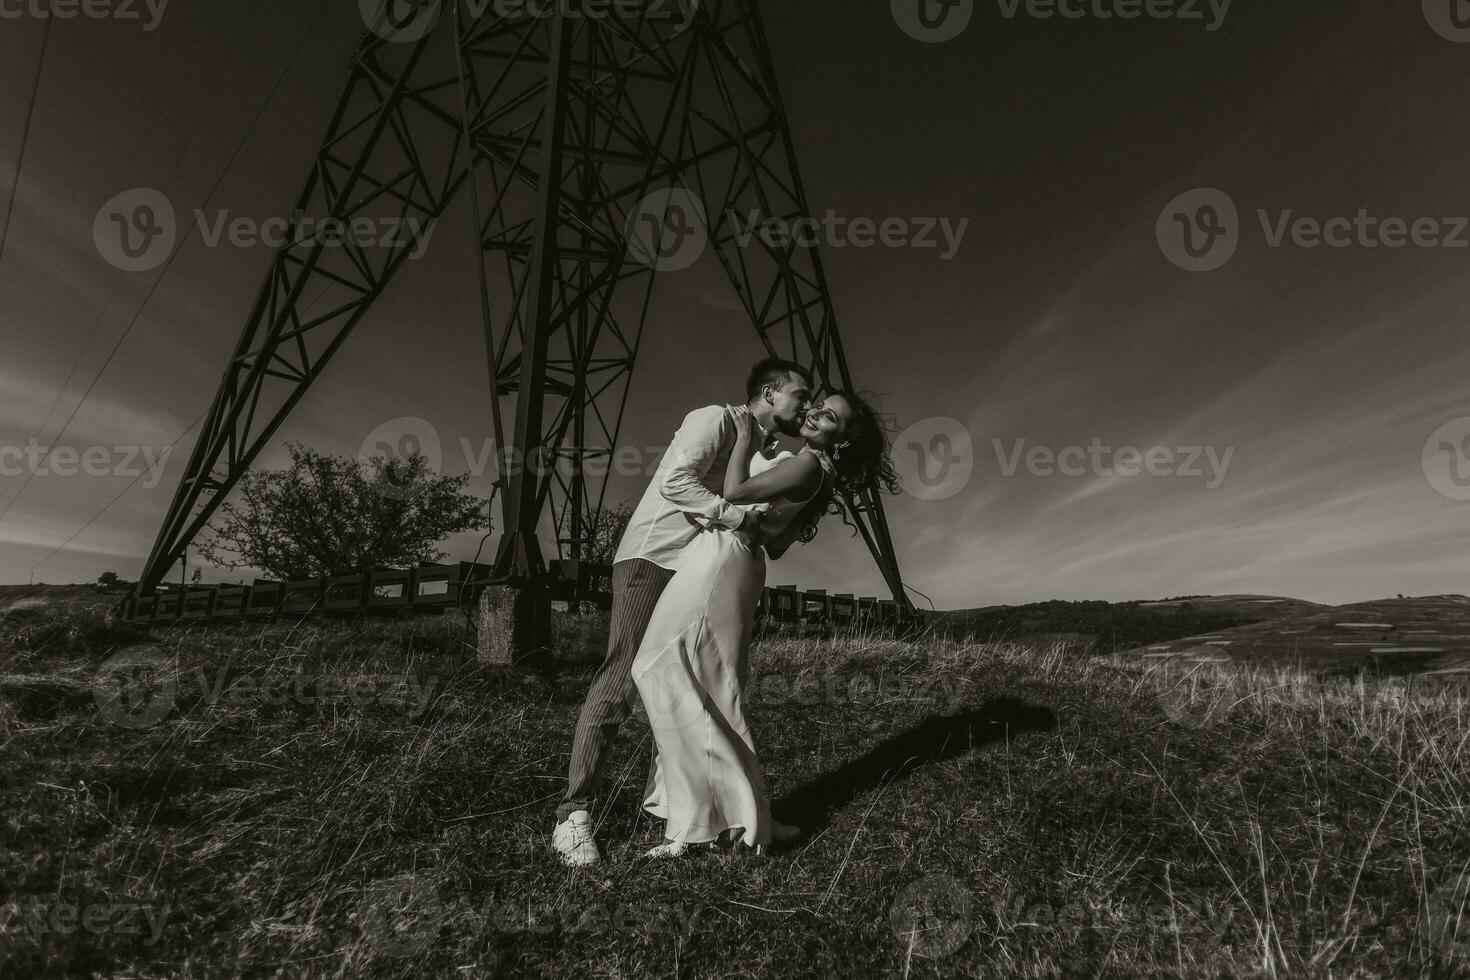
(437,587)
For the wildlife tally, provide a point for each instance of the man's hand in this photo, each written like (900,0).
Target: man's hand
(751,525)
(744,420)
(747,429)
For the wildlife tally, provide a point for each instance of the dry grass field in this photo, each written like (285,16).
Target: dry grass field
(361,798)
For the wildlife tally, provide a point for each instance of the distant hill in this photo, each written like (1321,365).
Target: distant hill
(1257,607)
(1387,636)
(31,594)
(1110,626)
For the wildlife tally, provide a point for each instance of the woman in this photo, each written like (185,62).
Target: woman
(694,659)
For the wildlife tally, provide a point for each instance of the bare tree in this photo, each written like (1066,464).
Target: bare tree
(602,543)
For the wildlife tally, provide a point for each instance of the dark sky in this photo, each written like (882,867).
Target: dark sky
(1059,321)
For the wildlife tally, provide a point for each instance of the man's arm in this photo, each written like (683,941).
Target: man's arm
(689,458)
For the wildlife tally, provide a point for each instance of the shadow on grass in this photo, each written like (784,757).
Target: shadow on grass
(812,805)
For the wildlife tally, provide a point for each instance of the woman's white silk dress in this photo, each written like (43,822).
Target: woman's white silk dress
(691,670)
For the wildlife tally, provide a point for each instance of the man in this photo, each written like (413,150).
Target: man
(683,497)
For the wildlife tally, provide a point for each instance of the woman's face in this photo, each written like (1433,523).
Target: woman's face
(827,422)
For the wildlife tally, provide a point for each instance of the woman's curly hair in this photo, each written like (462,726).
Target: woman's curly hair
(864,461)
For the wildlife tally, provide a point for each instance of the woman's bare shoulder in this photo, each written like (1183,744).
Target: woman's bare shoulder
(807,466)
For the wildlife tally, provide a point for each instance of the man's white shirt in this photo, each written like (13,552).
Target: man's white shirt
(685,495)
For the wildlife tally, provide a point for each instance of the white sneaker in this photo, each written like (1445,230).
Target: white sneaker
(572,839)
(784,833)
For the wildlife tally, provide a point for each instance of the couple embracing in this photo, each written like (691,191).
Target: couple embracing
(686,581)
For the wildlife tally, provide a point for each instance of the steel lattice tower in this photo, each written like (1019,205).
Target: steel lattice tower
(560,125)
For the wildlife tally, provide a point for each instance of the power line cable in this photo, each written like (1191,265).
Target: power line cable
(175,254)
(25,136)
(108,506)
(174,173)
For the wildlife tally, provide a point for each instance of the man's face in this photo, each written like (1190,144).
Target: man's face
(789,403)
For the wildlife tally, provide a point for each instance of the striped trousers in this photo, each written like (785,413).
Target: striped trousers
(636,586)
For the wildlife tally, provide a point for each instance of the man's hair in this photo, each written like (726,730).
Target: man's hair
(773,371)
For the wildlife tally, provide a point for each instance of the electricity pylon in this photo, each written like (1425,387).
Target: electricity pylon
(599,143)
